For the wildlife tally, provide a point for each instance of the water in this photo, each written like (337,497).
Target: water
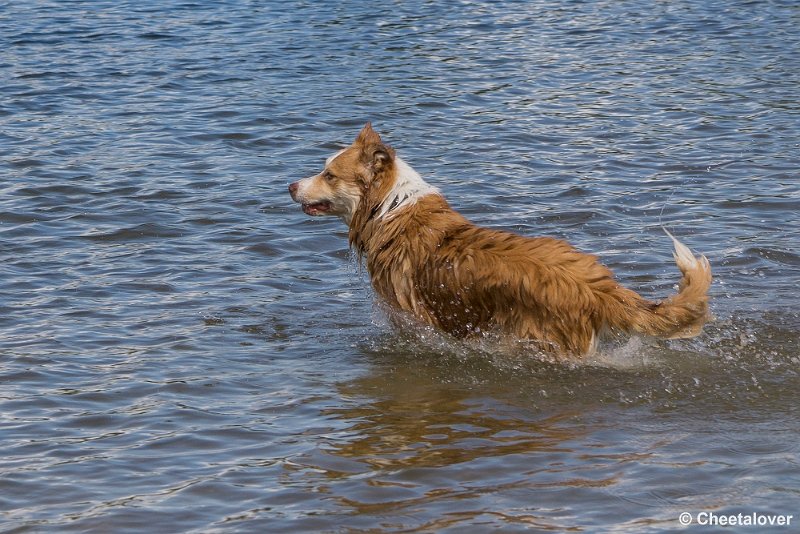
(181,349)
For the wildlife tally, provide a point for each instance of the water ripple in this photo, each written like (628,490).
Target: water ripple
(180,346)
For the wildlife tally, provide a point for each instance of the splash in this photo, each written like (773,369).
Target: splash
(735,341)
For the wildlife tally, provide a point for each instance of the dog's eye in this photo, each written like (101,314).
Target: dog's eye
(328,175)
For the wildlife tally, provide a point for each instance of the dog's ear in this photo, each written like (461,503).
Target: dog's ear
(377,155)
(367,136)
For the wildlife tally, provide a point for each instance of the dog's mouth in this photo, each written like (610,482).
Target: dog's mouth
(317,208)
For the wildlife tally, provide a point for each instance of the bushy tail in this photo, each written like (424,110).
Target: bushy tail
(683,314)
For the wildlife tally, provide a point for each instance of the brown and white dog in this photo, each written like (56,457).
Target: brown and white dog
(426,259)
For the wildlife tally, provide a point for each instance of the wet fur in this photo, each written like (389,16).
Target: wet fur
(426,259)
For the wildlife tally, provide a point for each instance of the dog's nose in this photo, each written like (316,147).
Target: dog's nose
(293,187)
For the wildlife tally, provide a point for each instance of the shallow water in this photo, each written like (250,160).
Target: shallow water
(181,349)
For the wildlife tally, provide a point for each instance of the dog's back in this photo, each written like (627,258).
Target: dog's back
(432,262)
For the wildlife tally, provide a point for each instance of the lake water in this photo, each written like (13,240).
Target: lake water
(182,350)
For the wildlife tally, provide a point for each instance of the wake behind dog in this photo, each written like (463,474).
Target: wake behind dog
(426,259)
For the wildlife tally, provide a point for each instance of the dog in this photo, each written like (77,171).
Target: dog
(426,259)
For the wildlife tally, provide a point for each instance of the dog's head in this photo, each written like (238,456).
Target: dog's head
(347,177)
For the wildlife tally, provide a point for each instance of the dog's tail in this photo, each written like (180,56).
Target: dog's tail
(680,316)
(683,314)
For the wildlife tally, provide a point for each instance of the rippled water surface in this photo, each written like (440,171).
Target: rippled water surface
(181,349)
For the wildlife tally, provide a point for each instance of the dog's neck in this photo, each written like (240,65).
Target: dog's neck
(408,188)
(385,201)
